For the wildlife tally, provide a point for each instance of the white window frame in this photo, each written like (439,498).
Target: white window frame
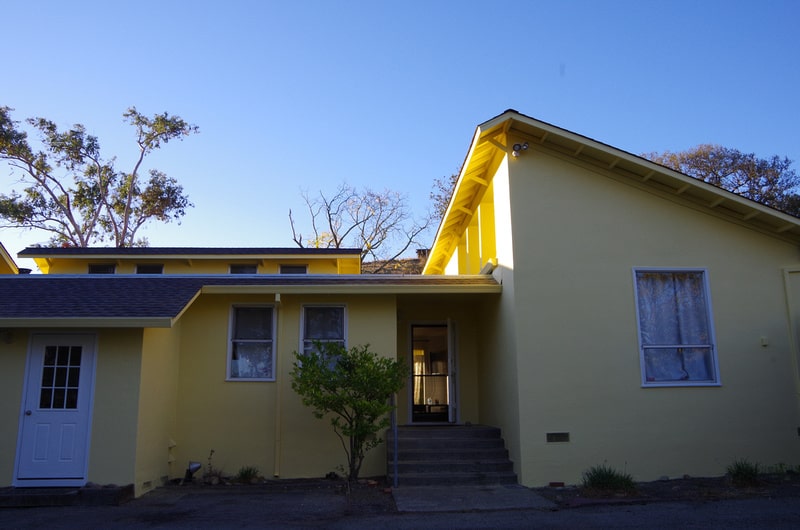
(232,339)
(303,338)
(711,345)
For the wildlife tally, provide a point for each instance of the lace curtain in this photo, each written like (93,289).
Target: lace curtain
(674,326)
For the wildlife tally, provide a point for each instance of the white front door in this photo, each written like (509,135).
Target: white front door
(53,443)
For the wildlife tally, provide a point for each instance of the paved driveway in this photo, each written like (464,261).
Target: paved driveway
(176,508)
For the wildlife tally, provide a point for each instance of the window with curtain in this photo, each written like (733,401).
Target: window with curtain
(676,339)
(322,324)
(250,356)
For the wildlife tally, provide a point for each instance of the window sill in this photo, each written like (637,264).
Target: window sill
(248,380)
(681,384)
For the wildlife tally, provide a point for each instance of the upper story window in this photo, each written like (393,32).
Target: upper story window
(676,335)
(102,268)
(294,269)
(250,352)
(246,268)
(323,324)
(150,268)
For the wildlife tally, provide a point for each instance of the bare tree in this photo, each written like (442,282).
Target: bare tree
(378,223)
(441,193)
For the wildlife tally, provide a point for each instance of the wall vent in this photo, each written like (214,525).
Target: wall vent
(557,437)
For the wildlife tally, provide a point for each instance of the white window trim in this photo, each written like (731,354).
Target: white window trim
(303,323)
(711,332)
(231,317)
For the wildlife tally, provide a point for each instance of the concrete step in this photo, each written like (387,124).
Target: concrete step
(454,466)
(450,455)
(493,453)
(454,479)
(447,444)
(86,496)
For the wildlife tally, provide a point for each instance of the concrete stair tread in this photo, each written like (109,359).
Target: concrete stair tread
(450,455)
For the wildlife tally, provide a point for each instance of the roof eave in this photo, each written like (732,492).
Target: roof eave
(483,288)
(174,253)
(645,174)
(88,322)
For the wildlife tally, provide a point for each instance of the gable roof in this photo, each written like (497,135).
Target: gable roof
(493,139)
(158,301)
(7,265)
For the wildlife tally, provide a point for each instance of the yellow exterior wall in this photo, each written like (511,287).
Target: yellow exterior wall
(576,335)
(497,344)
(559,353)
(114,415)
(157,414)
(346,266)
(13,356)
(112,453)
(501,379)
(265,424)
(792,281)
(486,220)
(316,265)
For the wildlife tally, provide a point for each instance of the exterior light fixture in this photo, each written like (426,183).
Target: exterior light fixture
(518,148)
(193,468)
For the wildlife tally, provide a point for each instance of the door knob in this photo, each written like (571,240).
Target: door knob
(27,413)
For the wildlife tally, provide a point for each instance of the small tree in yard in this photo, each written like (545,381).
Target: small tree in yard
(353,387)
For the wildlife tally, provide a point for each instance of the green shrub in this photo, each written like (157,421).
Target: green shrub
(352,389)
(743,472)
(247,474)
(781,468)
(606,479)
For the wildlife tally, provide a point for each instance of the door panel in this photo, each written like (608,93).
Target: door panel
(54,426)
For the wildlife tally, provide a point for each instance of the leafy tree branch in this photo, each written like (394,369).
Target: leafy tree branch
(770,181)
(81,198)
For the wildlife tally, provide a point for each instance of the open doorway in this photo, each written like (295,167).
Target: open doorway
(433,396)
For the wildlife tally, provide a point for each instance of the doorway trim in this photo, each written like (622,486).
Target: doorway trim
(453,411)
(32,384)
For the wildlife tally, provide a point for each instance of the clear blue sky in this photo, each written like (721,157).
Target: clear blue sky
(301,94)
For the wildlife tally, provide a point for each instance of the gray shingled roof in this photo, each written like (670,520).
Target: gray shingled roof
(41,296)
(44,297)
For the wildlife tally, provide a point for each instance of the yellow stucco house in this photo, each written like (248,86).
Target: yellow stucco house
(592,305)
